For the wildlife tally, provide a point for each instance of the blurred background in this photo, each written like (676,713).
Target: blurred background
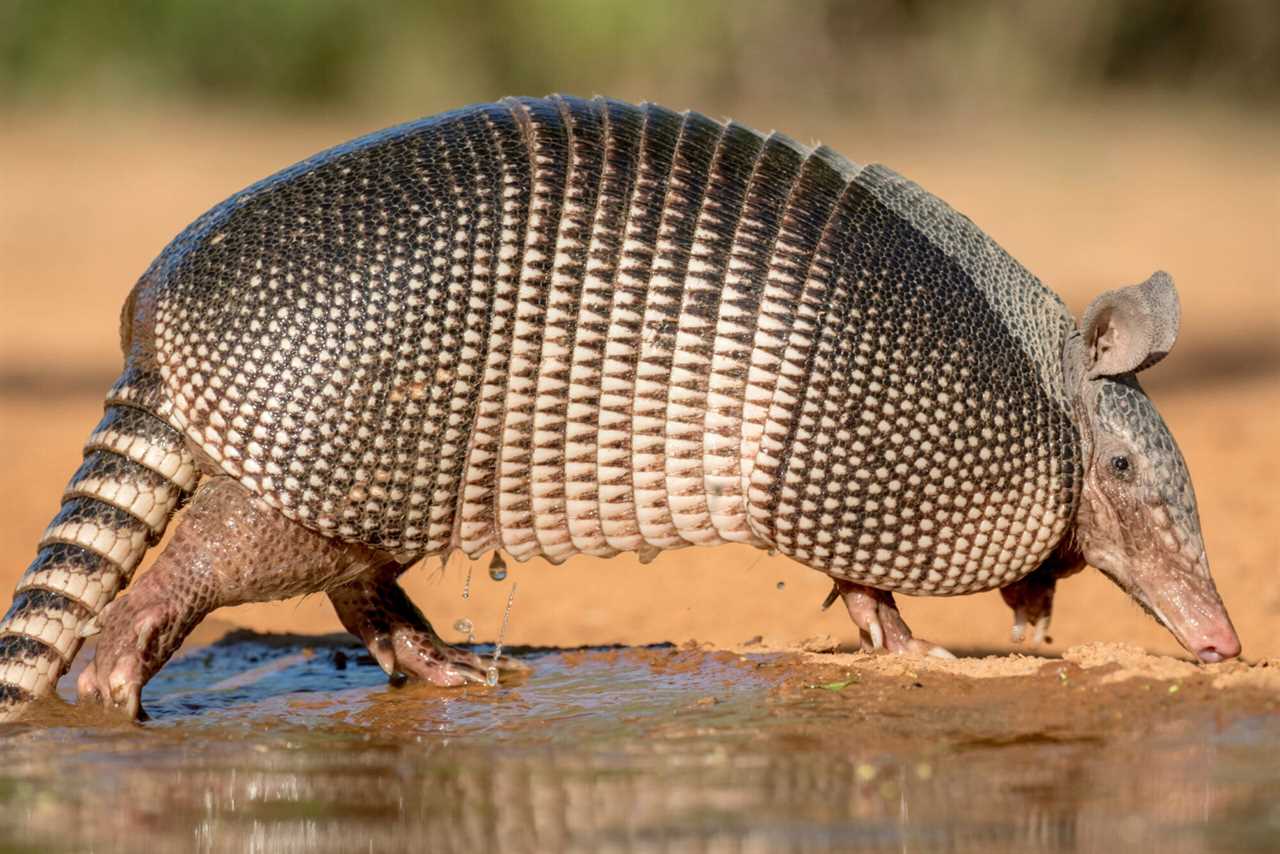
(1097,141)
(414,56)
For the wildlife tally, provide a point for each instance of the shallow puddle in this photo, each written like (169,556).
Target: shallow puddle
(280,744)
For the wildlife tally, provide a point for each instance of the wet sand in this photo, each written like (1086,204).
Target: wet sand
(296,743)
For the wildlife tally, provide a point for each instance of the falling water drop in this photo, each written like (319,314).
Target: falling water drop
(491,676)
(466,585)
(463,625)
(497,567)
(506,615)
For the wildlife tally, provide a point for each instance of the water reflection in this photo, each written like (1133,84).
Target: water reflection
(651,750)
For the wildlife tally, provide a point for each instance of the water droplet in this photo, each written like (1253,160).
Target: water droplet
(471,638)
(782,585)
(506,615)
(463,625)
(466,585)
(497,567)
(491,676)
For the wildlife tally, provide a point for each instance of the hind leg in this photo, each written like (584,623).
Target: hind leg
(228,549)
(376,609)
(879,622)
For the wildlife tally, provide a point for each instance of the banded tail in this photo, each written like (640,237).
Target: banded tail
(136,472)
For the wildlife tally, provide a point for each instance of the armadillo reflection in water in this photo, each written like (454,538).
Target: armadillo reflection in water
(556,326)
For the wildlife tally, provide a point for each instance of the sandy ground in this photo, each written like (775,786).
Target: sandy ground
(1088,200)
(297,743)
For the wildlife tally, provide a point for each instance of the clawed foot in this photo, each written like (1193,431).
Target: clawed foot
(411,652)
(1031,599)
(375,609)
(130,650)
(880,625)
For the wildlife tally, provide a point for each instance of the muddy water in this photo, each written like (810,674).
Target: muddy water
(287,743)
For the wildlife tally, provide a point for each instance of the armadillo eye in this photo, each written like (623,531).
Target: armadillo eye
(1120,465)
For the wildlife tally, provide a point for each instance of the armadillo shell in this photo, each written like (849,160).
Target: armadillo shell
(558,326)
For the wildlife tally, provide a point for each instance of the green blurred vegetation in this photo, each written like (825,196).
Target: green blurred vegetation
(364,54)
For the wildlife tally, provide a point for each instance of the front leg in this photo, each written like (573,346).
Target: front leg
(1031,597)
(880,624)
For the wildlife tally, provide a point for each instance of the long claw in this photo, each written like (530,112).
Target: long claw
(880,625)
(506,664)
(877,634)
(385,654)
(126,693)
(920,646)
(1042,630)
(132,705)
(87,685)
(831,597)
(461,675)
(1019,631)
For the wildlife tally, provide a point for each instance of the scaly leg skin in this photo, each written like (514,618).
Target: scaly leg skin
(879,623)
(376,609)
(1031,597)
(228,549)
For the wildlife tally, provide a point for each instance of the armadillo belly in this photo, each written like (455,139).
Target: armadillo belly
(559,326)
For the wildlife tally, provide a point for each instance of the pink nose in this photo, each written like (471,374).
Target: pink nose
(1220,646)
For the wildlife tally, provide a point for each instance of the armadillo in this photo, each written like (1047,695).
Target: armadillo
(550,327)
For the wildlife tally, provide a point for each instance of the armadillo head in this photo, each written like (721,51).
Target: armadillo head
(1137,520)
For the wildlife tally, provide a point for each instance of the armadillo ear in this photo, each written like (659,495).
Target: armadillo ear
(1132,328)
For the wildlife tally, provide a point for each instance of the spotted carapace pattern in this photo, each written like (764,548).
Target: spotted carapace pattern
(559,326)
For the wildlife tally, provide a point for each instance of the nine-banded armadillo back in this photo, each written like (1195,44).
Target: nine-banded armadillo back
(555,326)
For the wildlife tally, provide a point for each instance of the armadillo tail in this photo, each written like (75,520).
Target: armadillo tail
(136,472)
